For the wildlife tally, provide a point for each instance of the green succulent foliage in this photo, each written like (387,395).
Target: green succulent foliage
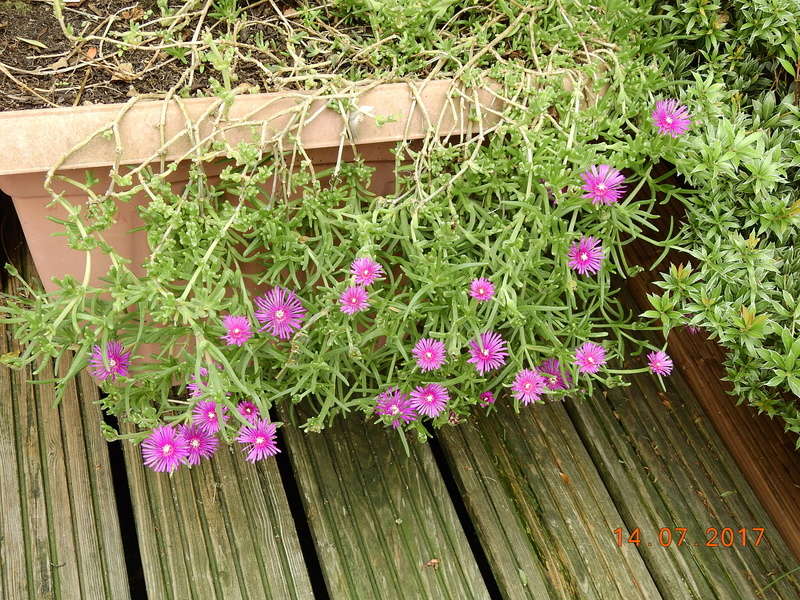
(398,16)
(209,255)
(505,207)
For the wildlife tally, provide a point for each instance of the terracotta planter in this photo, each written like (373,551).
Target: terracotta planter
(35,140)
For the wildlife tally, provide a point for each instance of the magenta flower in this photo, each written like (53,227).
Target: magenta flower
(603,184)
(249,411)
(281,311)
(165,449)
(116,362)
(199,443)
(693,329)
(354,299)
(208,414)
(586,255)
(590,357)
(260,440)
(237,330)
(488,353)
(197,387)
(486,398)
(671,118)
(556,378)
(429,354)
(430,399)
(481,289)
(396,405)
(529,386)
(659,363)
(366,271)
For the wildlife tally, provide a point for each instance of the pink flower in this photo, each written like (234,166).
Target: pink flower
(693,329)
(585,256)
(237,330)
(556,378)
(529,386)
(395,405)
(659,363)
(354,299)
(488,353)
(199,443)
(481,289)
(590,357)
(603,184)
(116,362)
(249,411)
(208,415)
(486,398)
(165,449)
(429,354)
(671,118)
(260,440)
(197,387)
(430,399)
(281,311)
(365,271)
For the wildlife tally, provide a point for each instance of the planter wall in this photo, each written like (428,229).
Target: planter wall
(35,140)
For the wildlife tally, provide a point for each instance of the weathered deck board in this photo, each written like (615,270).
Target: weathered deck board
(542,512)
(763,451)
(13,532)
(221,530)
(59,527)
(378,516)
(666,467)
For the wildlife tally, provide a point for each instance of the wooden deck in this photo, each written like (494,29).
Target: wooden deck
(505,506)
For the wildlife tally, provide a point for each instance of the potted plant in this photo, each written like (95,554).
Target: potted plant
(410,251)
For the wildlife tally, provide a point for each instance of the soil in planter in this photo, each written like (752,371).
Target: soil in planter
(40,67)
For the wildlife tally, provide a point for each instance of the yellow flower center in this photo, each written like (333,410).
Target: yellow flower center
(195,443)
(279,314)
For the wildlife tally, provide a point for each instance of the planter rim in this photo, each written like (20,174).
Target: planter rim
(35,140)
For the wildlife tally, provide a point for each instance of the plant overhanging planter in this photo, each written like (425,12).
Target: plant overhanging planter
(372,119)
(408,250)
